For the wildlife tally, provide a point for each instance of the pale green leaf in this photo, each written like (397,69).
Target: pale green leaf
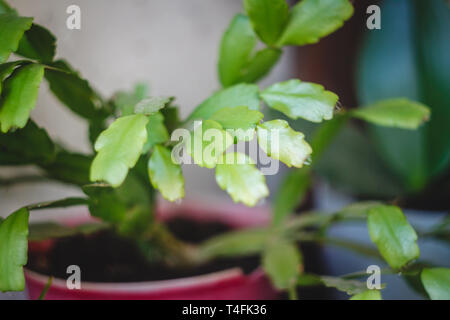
(393,235)
(151,105)
(238,175)
(165,175)
(437,283)
(207,143)
(119,148)
(281,142)
(282,263)
(13,250)
(156,131)
(12,28)
(398,113)
(19,97)
(311,20)
(298,99)
(367,295)
(236,243)
(239,118)
(236,48)
(235,96)
(268,18)
(351,287)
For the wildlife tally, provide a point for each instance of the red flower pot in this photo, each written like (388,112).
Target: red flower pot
(230,284)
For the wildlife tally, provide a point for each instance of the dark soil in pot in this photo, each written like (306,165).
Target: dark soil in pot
(106,257)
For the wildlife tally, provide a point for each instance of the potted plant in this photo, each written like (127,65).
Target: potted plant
(137,151)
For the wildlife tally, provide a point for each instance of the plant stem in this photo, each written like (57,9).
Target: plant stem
(292,292)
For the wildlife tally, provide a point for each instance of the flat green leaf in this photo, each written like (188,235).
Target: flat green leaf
(351,287)
(7,68)
(311,20)
(207,143)
(236,49)
(6,8)
(12,28)
(282,262)
(28,145)
(156,131)
(19,97)
(239,118)
(126,101)
(281,142)
(119,148)
(291,192)
(38,43)
(151,105)
(397,113)
(70,168)
(393,235)
(63,203)
(105,204)
(259,65)
(13,250)
(268,18)
(437,283)
(73,91)
(235,96)
(165,175)
(298,99)
(236,243)
(238,175)
(367,295)
(51,230)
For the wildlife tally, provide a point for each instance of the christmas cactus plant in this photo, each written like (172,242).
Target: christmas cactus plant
(139,145)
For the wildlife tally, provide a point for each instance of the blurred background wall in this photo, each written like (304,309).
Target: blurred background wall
(171,45)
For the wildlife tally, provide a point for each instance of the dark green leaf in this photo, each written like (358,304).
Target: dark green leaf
(235,96)
(282,263)
(393,235)
(38,43)
(165,175)
(291,192)
(13,250)
(268,18)
(28,145)
(51,230)
(437,283)
(298,99)
(105,204)
(260,65)
(236,48)
(119,148)
(63,203)
(73,91)
(12,28)
(19,96)
(7,68)
(311,20)
(70,168)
